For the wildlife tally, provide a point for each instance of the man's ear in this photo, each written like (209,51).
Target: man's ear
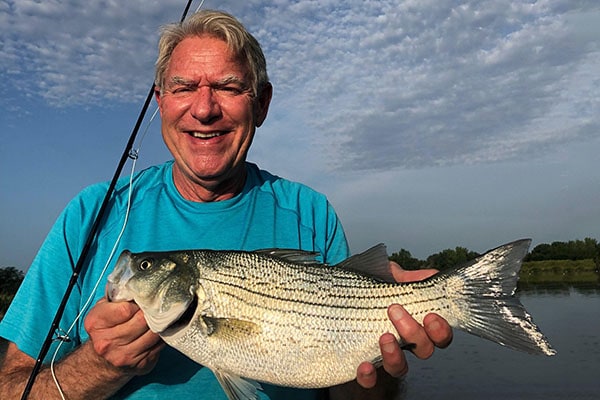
(157,97)
(262,103)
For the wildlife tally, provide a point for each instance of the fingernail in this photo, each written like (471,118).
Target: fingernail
(368,374)
(396,313)
(388,347)
(435,325)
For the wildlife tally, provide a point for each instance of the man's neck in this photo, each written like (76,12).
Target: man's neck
(209,190)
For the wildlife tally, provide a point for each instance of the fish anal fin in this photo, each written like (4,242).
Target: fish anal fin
(236,387)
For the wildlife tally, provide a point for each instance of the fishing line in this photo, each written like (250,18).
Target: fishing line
(134,152)
(54,327)
(200,6)
(64,336)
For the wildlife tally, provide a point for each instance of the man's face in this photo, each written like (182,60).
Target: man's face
(208,112)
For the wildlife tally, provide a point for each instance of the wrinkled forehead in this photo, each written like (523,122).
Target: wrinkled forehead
(198,56)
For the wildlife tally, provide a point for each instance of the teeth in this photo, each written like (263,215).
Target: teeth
(200,135)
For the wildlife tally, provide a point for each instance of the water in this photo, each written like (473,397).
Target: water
(473,368)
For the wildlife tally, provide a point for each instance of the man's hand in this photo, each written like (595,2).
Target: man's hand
(435,332)
(119,334)
(120,347)
(422,341)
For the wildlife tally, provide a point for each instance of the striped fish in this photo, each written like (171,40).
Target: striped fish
(279,316)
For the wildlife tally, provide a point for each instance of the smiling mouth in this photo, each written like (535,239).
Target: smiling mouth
(206,135)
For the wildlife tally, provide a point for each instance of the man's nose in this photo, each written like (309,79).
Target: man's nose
(205,106)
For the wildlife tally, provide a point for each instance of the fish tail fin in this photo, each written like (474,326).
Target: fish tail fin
(483,302)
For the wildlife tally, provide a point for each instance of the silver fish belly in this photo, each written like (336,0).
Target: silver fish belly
(280,317)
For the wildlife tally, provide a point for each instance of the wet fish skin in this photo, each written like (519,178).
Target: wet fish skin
(279,316)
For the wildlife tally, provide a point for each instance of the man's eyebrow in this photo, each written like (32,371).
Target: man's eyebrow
(178,80)
(229,79)
(232,80)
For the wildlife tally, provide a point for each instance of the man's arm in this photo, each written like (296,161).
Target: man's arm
(120,347)
(81,375)
(382,383)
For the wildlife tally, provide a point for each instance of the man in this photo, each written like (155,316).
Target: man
(213,92)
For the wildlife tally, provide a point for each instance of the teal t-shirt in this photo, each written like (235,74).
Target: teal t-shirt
(270,212)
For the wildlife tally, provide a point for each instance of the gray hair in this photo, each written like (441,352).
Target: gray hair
(220,25)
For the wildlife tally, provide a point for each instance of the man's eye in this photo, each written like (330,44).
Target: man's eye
(231,90)
(182,89)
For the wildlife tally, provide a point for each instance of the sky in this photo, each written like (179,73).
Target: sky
(429,124)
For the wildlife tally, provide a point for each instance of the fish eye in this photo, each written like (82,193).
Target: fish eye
(145,264)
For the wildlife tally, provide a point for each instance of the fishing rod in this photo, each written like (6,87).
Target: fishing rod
(127,153)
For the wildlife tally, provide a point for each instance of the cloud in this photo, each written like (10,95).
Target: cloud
(72,53)
(458,86)
(379,84)
(371,97)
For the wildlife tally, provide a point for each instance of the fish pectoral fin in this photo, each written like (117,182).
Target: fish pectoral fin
(236,387)
(230,328)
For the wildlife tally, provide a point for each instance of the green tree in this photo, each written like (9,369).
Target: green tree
(406,260)
(449,258)
(10,280)
(571,250)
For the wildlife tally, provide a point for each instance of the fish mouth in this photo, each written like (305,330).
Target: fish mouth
(116,288)
(184,320)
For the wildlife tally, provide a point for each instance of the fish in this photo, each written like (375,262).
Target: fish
(279,316)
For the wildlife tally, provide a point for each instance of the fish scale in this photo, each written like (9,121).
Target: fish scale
(278,316)
(301,309)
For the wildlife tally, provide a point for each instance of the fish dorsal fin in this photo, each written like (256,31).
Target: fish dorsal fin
(230,328)
(293,255)
(236,387)
(373,262)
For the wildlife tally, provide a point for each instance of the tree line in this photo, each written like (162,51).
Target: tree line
(585,249)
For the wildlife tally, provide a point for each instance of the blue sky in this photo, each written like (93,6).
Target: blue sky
(428,124)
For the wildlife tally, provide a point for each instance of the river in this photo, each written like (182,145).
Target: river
(473,368)
(476,369)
